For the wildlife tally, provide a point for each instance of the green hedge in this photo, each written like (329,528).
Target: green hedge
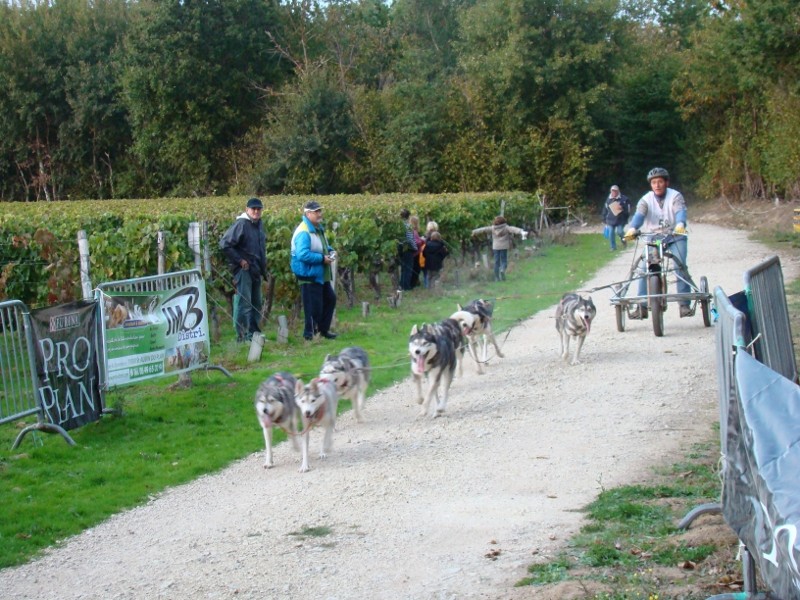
(39,259)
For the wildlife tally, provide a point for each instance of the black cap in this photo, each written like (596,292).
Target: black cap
(312,206)
(254,203)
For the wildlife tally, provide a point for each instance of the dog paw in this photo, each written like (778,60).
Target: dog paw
(323,455)
(304,469)
(268,465)
(420,400)
(500,354)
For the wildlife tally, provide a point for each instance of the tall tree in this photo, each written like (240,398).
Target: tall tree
(32,103)
(192,74)
(529,64)
(739,94)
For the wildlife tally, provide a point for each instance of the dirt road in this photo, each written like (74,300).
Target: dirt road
(409,508)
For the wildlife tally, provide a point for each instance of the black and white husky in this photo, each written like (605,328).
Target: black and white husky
(475,320)
(574,320)
(350,371)
(275,407)
(317,402)
(435,352)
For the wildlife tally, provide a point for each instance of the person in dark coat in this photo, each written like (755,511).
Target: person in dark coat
(434,252)
(616,212)
(407,250)
(244,245)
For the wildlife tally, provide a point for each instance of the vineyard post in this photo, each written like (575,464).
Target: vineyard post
(206,250)
(161,252)
(83,250)
(194,244)
(208,276)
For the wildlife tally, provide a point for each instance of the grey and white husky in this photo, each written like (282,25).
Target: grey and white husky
(317,402)
(475,320)
(435,352)
(574,320)
(350,371)
(275,407)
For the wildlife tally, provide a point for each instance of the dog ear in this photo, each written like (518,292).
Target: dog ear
(414,330)
(327,358)
(298,387)
(459,306)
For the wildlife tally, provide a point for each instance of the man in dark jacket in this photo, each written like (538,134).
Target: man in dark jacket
(616,211)
(244,245)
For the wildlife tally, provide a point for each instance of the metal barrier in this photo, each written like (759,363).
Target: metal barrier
(18,388)
(769,317)
(731,332)
(153,283)
(733,338)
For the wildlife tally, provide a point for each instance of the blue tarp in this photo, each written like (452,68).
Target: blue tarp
(761,495)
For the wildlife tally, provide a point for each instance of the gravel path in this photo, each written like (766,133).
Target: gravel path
(414,506)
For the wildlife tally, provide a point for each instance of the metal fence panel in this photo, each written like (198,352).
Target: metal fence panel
(730,333)
(17,375)
(156,284)
(769,317)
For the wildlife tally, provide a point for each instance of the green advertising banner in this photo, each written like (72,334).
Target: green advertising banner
(155,333)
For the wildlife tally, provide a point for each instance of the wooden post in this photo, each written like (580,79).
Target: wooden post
(194,244)
(283,329)
(86,280)
(365,309)
(333,284)
(206,251)
(162,255)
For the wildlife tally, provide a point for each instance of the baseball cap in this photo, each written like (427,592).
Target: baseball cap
(614,187)
(312,206)
(254,203)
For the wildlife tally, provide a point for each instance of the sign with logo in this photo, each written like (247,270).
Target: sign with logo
(66,363)
(155,333)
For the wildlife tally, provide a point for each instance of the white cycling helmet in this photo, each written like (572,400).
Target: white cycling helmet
(657,172)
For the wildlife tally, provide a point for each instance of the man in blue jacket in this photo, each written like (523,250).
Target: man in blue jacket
(244,244)
(312,260)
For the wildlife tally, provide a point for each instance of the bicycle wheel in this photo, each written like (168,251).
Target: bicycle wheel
(621,313)
(654,288)
(704,303)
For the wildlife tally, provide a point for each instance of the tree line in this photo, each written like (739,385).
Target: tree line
(150,98)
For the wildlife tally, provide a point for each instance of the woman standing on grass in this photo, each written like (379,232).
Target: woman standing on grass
(502,236)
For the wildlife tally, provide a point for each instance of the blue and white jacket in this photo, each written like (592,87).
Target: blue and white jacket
(309,248)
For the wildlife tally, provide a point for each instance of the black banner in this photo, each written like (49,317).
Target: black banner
(66,363)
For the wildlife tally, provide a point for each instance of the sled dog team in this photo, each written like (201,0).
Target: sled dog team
(436,351)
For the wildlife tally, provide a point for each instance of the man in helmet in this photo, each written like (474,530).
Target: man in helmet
(663,207)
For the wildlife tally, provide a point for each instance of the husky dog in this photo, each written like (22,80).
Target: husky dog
(350,371)
(275,406)
(317,402)
(435,352)
(475,320)
(574,320)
